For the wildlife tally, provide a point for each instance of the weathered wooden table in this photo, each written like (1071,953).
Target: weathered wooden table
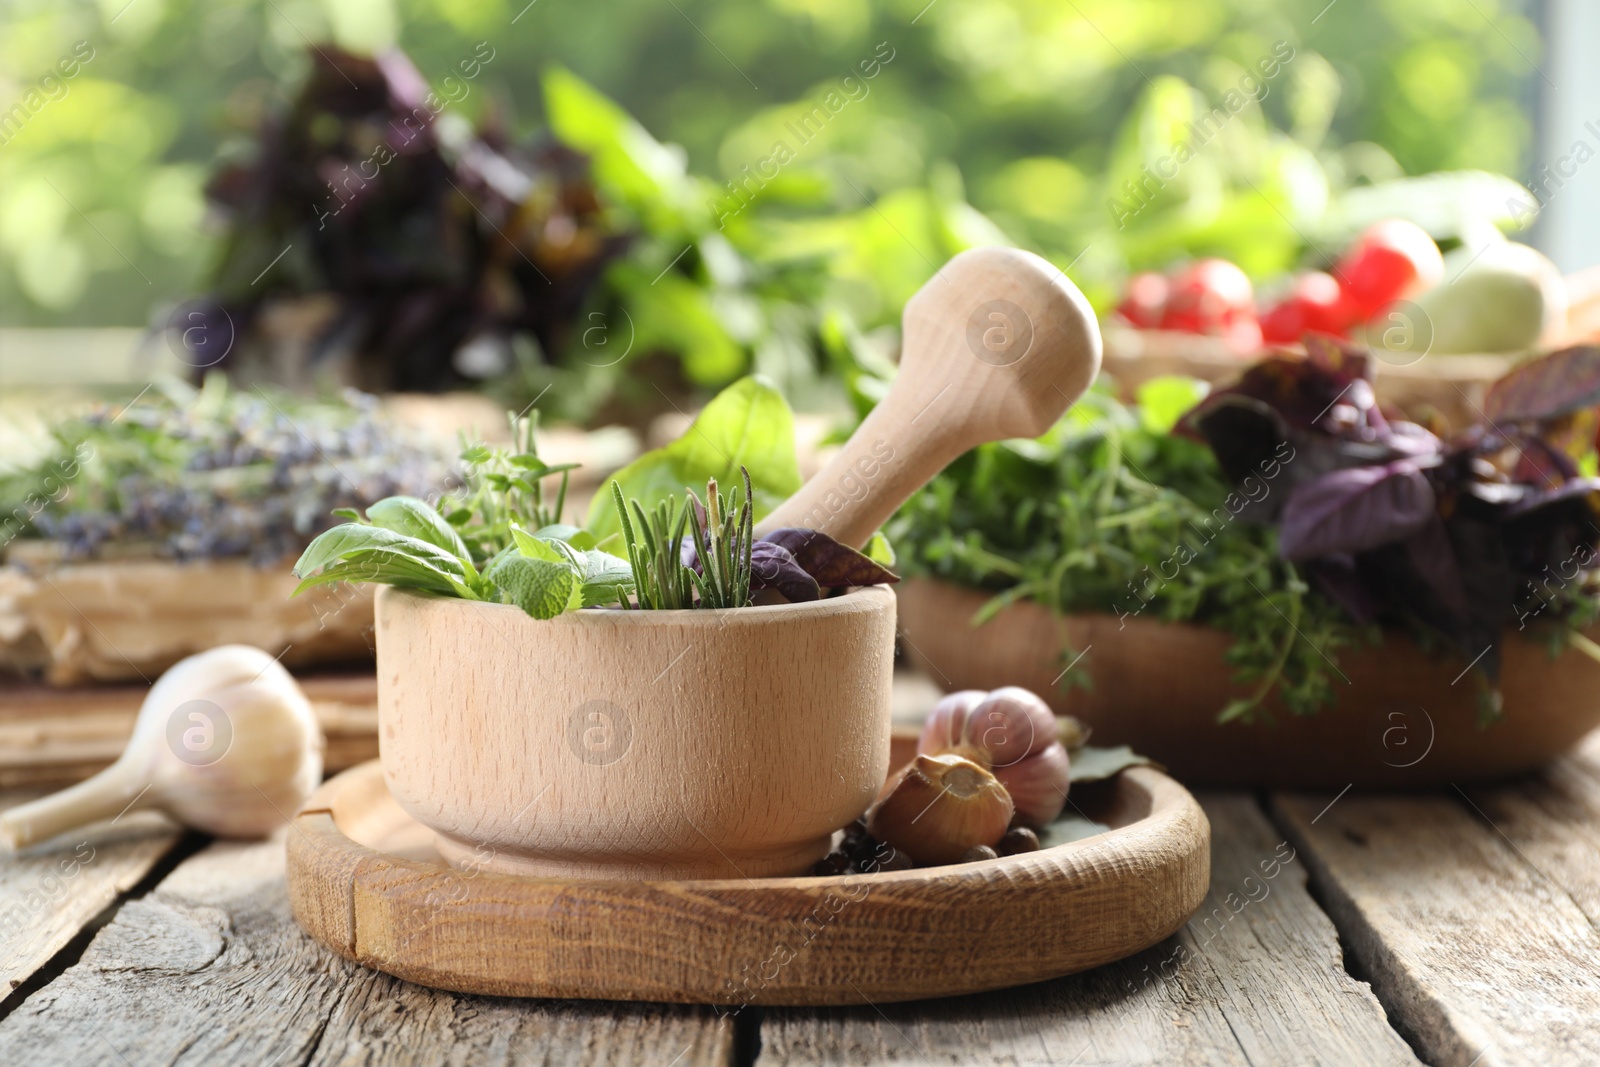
(1456,928)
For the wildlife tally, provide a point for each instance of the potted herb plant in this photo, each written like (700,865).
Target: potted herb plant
(1355,599)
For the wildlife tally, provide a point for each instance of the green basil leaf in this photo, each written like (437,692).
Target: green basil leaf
(351,537)
(417,518)
(388,566)
(1163,401)
(748,425)
(540,587)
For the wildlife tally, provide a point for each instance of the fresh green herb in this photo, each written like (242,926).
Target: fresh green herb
(655,539)
(717,570)
(500,539)
(748,425)
(505,487)
(723,546)
(1107,514)
(213,472)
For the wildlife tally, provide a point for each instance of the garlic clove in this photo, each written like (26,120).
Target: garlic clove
(940,807)
(1038,785)
(225,742)
(1010,725)
(946,724)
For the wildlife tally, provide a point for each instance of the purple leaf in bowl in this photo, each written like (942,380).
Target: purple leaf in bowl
(833,565)
(772,566)
(1356,509)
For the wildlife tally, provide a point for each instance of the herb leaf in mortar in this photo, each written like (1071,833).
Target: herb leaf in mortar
(498,540)
(747,425)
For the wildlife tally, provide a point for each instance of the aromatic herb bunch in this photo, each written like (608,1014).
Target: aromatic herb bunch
(722,547)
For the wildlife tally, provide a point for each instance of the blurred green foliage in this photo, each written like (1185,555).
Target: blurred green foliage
(1033,112)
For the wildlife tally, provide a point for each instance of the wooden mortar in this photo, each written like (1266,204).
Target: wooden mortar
(717,744)
(635,744)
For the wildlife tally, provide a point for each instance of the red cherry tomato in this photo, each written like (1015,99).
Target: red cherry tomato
(1314,304)
(1145,300)
(1207,296)
(1392,259)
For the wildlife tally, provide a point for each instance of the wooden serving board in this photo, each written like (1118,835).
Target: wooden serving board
(365,881)
(52,736)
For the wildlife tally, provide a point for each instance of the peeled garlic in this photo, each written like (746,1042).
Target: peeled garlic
(1038,785)
(940,807)
(225,742)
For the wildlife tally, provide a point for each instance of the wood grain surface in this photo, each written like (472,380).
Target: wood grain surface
(888,937)
(1253,978)
(50,892)
(54,736)
(1473,912)
(210,970)
(1399,722)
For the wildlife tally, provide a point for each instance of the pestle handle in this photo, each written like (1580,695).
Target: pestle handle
(996,345)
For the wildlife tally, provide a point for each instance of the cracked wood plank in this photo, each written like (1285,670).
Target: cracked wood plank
(1473,912)
(210,969)
(1255,978)
(51,891)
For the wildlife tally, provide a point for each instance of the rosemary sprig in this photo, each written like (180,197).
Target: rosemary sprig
(723,545)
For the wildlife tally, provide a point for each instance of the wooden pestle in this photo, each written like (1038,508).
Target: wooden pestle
(996,345)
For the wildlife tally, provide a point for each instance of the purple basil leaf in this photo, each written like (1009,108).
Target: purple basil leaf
(1546,388)
(1342,581)
(833,565)
(1555,529)
(772,566)
(1356,509)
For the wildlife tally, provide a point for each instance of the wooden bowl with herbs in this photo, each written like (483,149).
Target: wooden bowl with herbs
(684,693)
(698,705)
(1274,584)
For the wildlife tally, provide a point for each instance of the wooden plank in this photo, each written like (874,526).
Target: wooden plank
(210,969)
(1477,948)
(1255,978)
(53,736)
(49,892)
(1553,822)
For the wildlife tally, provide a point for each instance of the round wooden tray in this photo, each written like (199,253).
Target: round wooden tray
(365,881)
(1405,720)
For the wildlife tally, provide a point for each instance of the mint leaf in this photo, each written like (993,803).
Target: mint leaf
(534,547)
(542,588)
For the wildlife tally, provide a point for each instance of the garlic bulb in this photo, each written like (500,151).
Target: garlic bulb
(1013,733)
(1038,785)
(940,807)
(225,742)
